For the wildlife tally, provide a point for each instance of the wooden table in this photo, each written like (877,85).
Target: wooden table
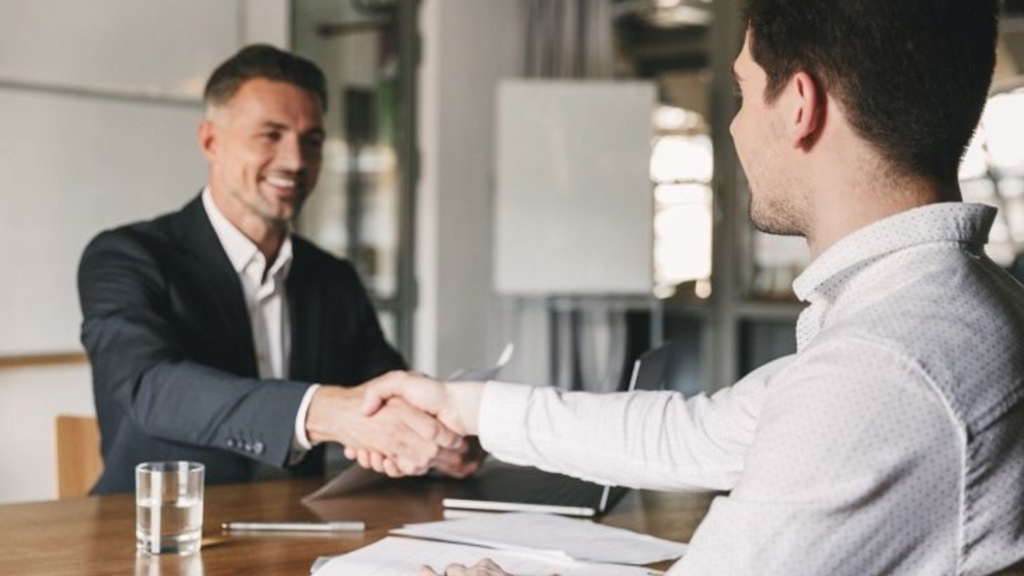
(96,536)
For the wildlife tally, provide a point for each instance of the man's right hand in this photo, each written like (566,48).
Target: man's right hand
(454,404)
(407,436)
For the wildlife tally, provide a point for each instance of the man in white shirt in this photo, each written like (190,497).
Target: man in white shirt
(891,442)
(217,335)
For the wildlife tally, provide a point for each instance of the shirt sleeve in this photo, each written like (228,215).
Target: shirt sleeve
(300,442)
(654,440)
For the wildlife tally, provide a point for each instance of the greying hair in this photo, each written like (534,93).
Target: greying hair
(263,61)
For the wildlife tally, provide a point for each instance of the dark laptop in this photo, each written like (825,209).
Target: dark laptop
(505,487)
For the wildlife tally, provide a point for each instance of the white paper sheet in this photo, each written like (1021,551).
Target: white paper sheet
(555,535)
(404,557)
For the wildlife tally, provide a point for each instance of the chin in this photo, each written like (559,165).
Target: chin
(771,219)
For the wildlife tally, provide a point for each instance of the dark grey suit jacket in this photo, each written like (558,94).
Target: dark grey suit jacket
(174,371)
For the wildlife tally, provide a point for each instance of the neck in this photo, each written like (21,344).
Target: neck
(267,235)
(842,210)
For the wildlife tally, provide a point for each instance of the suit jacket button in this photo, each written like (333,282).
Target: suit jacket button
(231,442)
(258,447)
(247,447)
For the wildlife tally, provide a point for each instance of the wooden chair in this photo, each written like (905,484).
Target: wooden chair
(79,463)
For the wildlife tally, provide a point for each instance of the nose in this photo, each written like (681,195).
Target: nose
(290,154)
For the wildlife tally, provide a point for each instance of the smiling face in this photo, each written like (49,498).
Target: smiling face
(759,134)
(264,148)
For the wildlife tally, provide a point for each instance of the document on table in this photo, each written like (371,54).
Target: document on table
(404,556)
(354,477)
(555,536)
(484,374)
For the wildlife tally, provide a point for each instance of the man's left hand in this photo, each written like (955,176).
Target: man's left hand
(461,462)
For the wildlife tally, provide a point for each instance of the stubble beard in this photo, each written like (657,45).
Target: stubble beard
(776,213)
(776,203)
(271,211)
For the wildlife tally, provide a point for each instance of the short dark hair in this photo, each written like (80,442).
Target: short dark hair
(912,75)
(263,61)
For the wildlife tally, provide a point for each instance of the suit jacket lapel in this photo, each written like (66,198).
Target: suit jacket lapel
(306,308)
(193,231)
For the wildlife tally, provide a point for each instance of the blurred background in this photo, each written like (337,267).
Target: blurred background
(553,173)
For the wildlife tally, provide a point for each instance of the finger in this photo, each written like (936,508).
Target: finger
(363,458)
(377,460)
(426,426)
(456,570)
(391,469)
(446,457)
(350,453)
(409,449)
(427,571)
(378,392)
(409,467)
(458,470)
(447,468)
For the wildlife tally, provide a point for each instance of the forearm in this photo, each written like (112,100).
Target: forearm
(195,404)
(643,440)
(327,410)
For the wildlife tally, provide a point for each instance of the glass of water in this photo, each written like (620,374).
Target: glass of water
(168,507)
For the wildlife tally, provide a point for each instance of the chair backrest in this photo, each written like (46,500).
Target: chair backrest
(79,463)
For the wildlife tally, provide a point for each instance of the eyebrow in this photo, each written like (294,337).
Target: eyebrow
(318,130)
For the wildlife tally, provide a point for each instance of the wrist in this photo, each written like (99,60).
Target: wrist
(326,417)
(464,398)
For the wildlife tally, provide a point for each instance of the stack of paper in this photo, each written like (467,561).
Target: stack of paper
(405,556)
(553,536)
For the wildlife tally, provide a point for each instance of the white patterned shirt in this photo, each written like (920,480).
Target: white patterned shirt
(891,443)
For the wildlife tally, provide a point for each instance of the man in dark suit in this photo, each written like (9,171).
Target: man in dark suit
(218,336)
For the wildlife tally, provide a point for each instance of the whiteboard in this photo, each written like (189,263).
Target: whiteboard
(573,202)
(71,167)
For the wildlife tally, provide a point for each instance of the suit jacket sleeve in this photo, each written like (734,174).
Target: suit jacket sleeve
(140,366)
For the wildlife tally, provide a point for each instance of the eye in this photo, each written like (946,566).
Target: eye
(313,142)
(270,136)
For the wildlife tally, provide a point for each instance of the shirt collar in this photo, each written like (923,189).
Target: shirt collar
(240,250)
(945,222)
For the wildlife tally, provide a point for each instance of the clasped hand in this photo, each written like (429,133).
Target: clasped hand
(399,424)
(453,405)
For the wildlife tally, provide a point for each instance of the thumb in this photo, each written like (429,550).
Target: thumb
(376,395)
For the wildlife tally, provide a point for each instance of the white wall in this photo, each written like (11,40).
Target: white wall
(30,399)
(468,46)
(84,51)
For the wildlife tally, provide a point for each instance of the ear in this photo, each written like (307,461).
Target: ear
(808,112)
(208,138)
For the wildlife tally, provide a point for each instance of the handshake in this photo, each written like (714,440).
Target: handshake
(402,424)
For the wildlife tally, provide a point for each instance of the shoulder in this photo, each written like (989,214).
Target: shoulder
(852,363)
(136,235)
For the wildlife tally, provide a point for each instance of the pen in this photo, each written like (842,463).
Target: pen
(294,526)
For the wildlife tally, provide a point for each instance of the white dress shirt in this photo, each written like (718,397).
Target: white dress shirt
(266,300)
(891,443)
